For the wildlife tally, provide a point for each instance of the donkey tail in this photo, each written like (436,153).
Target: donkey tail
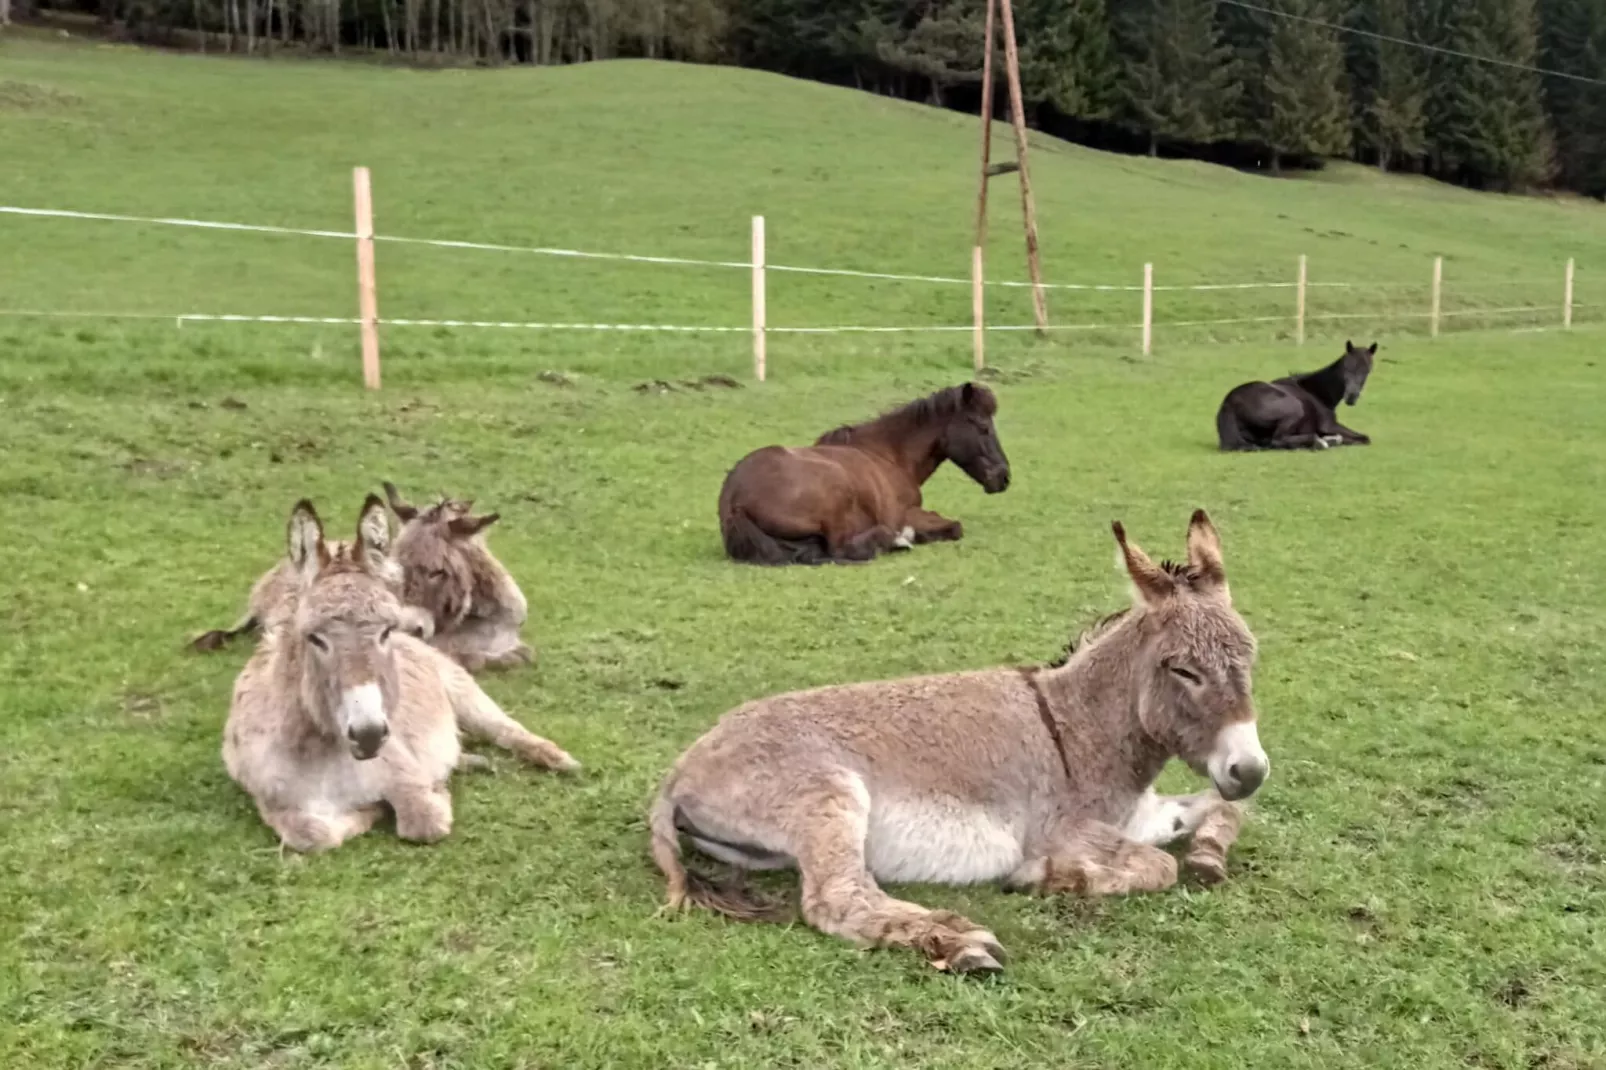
(687,887)
(746,541)
(1228,431)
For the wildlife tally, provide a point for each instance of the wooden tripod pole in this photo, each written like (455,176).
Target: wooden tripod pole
(1017,115)
(978,252)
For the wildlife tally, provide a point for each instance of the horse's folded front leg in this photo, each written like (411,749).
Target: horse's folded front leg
(933,527)
(863,545)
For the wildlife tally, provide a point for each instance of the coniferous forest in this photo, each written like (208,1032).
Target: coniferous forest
(1269,84)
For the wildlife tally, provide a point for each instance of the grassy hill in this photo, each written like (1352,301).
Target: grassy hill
(662,159)
(1420,883)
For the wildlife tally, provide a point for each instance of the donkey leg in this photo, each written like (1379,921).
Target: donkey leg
(933,527)
(302,830)
(423,812)
(1217,832)
(1094,859)
(479,716)
(1161,820)
(841,897)
(1211,821)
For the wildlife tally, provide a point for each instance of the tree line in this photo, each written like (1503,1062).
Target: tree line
(1267,83)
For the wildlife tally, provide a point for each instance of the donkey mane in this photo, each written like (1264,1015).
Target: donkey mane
(1087,635)
(934,408)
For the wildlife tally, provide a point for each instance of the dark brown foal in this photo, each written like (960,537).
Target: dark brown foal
(855,493)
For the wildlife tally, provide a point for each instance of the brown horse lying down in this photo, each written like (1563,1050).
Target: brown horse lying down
(856,492)
(1040,778)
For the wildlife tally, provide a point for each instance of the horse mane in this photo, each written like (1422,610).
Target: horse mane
(933,408)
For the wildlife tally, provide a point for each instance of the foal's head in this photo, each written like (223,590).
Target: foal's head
(440,552)
(343,622)
(1357,365)
(1195,662)
(970,440)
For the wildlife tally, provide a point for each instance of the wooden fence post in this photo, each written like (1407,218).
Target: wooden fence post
(367,295)
(1567,297)
(1299,305)
(977,304)
(1148,308)
(1438,287)
(759,327)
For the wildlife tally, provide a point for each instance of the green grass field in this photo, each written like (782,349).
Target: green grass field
(1422,883)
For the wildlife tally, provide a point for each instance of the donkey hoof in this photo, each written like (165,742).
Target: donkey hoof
(990,944)
(973,960)
(1208,868)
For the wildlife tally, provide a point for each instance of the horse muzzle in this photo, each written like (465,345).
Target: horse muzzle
(997,481)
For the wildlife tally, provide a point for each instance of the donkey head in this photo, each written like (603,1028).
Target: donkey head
(343,622)
(441,552)
(1357,365)
(970,440)
(1195,663)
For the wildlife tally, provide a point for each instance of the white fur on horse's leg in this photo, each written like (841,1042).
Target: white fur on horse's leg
(1159,820)
(905,539)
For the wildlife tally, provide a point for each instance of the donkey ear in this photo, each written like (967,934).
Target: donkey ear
(1149,581)
(373,528)
(471,525)
(305,537)
(403,511)
(1204,552)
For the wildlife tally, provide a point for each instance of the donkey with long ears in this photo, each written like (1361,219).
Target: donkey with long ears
(1297,411)
(275,590)
(449,571)
(1042,778)
(856,492)
(339,712)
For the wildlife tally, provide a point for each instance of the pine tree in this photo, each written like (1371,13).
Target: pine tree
(1390,82)
(1299,105)
(1178,80)
(944,46)
(1067,56)
(1573,41)
(1486,123)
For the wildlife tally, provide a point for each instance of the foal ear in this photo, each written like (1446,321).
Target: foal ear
(373,528)
(398,505)
(305,538)
(471,525)
(1204,552)
(978,398)
(1149,581)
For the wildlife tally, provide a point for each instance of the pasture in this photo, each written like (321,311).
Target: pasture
(1421,882)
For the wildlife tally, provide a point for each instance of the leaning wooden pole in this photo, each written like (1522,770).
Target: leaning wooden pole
(978,260)
(1017,116)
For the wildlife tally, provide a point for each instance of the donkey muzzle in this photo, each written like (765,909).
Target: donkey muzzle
(1238,766)
(362,718)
